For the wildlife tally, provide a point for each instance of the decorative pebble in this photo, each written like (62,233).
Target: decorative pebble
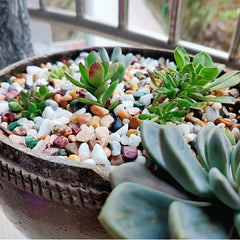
(115,147)
(16,139)
(60,142)
(31,141)
(99,156)
(85,134)
(99,111)
(117,124)
(72,148)
(130,153)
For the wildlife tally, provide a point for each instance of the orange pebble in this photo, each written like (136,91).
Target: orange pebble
(99,111)
(57,98)
(84,118)
(132,131)
(122,113)
(134,122)
(74,94)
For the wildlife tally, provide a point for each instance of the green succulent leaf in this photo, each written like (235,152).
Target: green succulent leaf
(209,73)
(84,71)
(188,221)
(150,137)
(139,173)
(109,92)
(104,54)
(236,161)
(88,102)
(96,74)
(218,150)
(181,57)
(32,107)
(228,79)
(14,105)
(91,58)
(43,91)
(222,99)
(203,59)
(201,144)
(111,71)
(134,211)
(113,105)
(181,163)
(237,221)
(223,189)
(101,90)
(120,72)
(117,51)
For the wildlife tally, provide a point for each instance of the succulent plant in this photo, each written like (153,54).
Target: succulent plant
(199,198)
(100,75)
(188,86)
(31,103)
(58,72)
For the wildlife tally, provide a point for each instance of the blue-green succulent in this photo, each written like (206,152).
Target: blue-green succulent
(199,198)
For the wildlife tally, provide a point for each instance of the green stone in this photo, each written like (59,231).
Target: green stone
(139,105)
(138,95)
(13,125)
(31,141)
(62,152)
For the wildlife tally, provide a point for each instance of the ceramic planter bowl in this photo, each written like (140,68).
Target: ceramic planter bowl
(48,197)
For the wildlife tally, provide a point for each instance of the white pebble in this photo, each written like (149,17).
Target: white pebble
(89,96)
(123,130)
(40,72)
(133,110)
(127,104)
(115,147)
(114,137)
(134,140)
(117,108)
(84,148)
(124,140)
(4,107)
(184,128)
(211,114)
(99,156)
(140,159)
(146,99)
(236,133)
(128,97)
(191,136)
(48,113)
(134,80)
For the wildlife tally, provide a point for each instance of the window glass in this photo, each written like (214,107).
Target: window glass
(149,17)
(210,23)
(104,11)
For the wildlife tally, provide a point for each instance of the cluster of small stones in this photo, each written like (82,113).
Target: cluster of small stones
(91,134)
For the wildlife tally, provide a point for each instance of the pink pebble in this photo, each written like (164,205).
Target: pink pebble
(130,153)
(11,94)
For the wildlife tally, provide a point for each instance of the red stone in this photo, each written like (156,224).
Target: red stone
(60,142)
(75,130)
(130,153)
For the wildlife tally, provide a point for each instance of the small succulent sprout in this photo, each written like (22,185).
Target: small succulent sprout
(58,72)
(30,104)
(188,86)
(99,77)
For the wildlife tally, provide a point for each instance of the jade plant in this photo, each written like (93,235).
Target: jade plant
(101,74)
(58,72)
(30,103)
(188,86)
(199,198)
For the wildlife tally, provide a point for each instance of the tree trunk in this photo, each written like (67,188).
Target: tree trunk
(15,36)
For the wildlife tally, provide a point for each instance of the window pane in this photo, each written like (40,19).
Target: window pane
(67,7)
(210,23)
(104,11)
(149,17)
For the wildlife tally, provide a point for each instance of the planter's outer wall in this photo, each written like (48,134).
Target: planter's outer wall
(49,197)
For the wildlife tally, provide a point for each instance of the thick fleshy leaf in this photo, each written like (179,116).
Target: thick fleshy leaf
(181,57)
(14,105)
(228,79)
(101,90)
(109,92)
(201,144)
(43,91)
(134,211)
(209,73)
(181,163)
(188,221)
(139,173)
(96,74)
(103,54)
(221,99)
(120,72)
(150,139)
(202,58)
(218,150)
(223,189)
(84,71)
(237,222)
(112,69)
(117,52)
(91,58)
(235,164)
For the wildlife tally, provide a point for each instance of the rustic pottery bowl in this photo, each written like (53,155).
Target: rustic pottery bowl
(49,197)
